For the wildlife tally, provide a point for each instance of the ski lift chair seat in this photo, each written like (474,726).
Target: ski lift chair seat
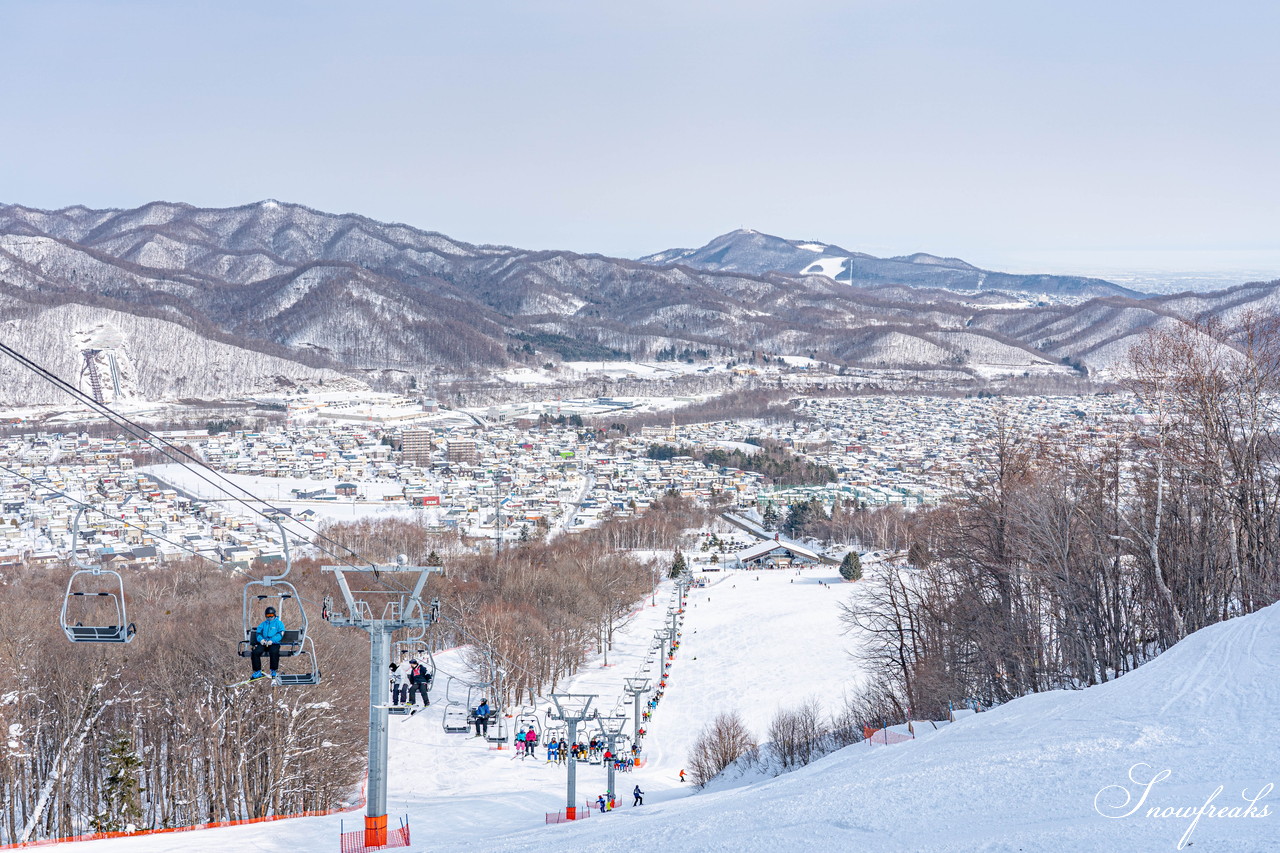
(290,644)
(101,633)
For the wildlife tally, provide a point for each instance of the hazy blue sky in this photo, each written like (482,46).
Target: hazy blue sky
(1013,133)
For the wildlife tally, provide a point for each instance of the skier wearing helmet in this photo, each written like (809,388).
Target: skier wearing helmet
(267,637)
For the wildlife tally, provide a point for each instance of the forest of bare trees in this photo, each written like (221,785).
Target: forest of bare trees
(100,737)
(532,614)
(149,735)
(1064,566)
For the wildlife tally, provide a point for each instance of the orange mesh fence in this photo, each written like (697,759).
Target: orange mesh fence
(94,836)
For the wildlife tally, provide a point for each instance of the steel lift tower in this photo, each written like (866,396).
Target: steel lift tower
(398,610)
(573,708)
(636,688)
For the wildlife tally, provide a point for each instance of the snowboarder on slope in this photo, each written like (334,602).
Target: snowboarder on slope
(267,637)
(639,795)
(681,775)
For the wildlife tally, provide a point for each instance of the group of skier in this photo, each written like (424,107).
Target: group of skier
(526,742)
(607,803)
(409,679)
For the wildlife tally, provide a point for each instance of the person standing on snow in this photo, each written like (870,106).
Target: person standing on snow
(267,637)
(639,795)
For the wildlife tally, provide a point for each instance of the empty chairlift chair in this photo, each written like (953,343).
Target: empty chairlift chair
(93,609)
(101,602)
(456,713)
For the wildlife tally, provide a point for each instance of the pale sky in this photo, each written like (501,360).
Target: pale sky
(1013,133)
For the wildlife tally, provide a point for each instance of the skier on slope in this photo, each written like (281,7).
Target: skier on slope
(639,795)
(267,637)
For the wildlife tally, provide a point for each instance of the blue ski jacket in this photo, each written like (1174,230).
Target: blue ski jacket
(270,631)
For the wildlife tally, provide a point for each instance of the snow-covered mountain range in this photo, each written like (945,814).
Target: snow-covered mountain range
(755,253)
(295,292)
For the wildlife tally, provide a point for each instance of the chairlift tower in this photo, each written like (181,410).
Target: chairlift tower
(662,635)
(636,688)
(612,728)
(573,708)
(399,610)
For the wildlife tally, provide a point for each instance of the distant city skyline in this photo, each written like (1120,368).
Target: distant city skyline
(1024,137)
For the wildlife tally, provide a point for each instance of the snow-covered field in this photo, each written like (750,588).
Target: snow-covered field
(1062,771)
(277,491)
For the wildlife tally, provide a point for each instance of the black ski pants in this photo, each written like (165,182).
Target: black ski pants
(256,653)
(417,687)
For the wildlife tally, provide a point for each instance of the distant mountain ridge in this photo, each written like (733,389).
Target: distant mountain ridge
(755,253)
(307,296)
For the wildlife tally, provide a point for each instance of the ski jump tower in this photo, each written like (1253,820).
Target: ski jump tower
(90,357)
(395,610)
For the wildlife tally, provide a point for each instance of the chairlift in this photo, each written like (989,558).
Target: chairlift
(100,596)
(275,591)
(476,690)
(497,731)
(528,718)
(456,714)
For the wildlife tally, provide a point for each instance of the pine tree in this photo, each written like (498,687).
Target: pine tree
(678,566)
(433,559)
(121,790)
(851,567)
(770,518)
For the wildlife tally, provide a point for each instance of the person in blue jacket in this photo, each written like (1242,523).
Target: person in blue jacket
(639,795)
(482,718)
(267,637)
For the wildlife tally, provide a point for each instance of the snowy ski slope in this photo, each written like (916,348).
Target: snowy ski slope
(1050,771)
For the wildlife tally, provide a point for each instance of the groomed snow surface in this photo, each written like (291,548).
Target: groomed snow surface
(1061,771)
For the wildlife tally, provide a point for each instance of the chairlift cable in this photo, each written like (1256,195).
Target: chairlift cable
(152,534)
(160,444)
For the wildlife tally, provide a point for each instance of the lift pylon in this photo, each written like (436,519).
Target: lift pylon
(396,610)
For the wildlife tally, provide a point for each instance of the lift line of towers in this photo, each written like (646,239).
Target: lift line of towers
(98,592)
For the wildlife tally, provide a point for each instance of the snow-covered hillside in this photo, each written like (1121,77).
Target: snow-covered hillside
(155,359)
(1065,771)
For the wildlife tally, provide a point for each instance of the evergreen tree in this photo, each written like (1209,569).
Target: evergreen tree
(678,566)
(851,567)
(121,789)
(770,518)
(433,559)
